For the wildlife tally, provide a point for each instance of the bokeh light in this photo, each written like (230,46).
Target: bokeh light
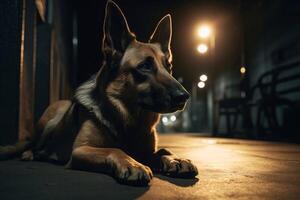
(243,70)
(204,31)
(202,48)
(201,84)
(203,78)
(165,120)
(173,118)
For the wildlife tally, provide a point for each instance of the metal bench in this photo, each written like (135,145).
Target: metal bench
(279,88)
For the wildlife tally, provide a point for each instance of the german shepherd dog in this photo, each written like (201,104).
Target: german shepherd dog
(109,125)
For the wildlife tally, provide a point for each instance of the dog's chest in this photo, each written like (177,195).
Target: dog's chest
(138,142)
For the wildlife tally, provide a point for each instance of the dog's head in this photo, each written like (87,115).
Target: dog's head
(141,73)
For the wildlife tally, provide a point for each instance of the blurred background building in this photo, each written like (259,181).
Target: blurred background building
(239,59)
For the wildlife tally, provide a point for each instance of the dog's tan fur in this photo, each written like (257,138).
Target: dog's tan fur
(103,128)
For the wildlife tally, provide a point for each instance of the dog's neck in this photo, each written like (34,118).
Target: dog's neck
(86,96)
(131,115)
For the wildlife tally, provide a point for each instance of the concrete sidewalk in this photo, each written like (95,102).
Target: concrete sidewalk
(229,169)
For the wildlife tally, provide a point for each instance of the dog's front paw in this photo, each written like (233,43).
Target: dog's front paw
(133,173)
(177,167)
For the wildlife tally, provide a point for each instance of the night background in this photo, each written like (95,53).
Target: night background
(249,52)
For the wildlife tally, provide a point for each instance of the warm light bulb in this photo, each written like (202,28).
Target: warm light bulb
(243,70)
(203,78)
(204,31)
(202,48)
(201,84)
(173,118)
(165,120)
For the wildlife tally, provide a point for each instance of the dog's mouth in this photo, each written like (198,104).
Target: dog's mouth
(180,106)
(162,107)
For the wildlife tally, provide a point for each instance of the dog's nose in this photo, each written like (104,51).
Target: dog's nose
(181,96)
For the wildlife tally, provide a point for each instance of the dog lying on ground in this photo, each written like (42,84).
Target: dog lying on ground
(109,125)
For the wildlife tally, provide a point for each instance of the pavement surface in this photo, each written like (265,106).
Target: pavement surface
(229,169)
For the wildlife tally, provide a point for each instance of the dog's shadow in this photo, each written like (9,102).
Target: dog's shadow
(182,182)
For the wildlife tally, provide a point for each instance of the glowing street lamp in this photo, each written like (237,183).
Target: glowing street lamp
(173,118)
(243,70)
(204,31)
(202,48)
(165,120)
(207,35)
(201,85)
(203,78)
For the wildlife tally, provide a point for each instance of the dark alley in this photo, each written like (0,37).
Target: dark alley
(136,99)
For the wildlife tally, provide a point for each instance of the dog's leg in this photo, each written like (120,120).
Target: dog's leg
(109,160)
(167,163)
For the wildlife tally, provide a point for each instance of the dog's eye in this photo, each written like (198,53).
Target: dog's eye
(146,66)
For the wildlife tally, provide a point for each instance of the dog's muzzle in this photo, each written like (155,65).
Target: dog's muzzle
(168,98)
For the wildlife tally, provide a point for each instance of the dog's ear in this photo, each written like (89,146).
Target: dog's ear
(117,35)
(163,35)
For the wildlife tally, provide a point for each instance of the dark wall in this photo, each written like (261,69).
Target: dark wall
(36,54)
(272,34)
(60,16)
(89,25)
(43,57)
(10,40)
